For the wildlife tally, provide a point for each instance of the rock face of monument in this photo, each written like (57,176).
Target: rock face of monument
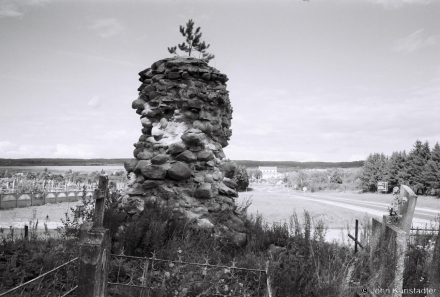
(185,113)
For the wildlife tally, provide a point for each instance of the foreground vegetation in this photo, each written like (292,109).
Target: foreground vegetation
(301,263)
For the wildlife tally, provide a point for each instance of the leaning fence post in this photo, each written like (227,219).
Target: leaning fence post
(95,250)
(434,271)
(408,214)
(269,290)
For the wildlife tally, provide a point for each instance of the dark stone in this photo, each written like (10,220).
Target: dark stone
(149,88)
(145,155)
(204,126)
(150,184)
(214,207)
(136,151)
(135,190)
(146,131)
(204,191)
(143,137)
(193,136)
(173,75)
(205,155)
(138,103)
(195,103)
(186,156)
(140,179)
(223,141)
(130,165)
(205,115)
(158,77)
(159,159)
(228,169)
(179,171)
(141,164)
(185,75)
(166,193)
(223,189)
(141,87)
(230,183)
(153,172)
(176,148)
(153,95)
(206,76)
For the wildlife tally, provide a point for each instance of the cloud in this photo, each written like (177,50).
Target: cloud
(9,10)
(415,41)
(13,150)
(94,102)
(73,151)
(6,146)
(398,3)
(114,134)
(106,28)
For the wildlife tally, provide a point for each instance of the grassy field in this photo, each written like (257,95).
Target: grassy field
(277,206)
(422,201)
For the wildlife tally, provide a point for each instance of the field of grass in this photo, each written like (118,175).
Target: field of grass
(422,201)
(278,207)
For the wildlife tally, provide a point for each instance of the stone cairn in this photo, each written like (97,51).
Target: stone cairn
(179,162)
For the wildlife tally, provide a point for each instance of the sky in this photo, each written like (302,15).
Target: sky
(316,80)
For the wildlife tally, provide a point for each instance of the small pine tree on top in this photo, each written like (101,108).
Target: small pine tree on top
(193,42)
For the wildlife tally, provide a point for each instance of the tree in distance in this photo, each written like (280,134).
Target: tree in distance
(193,43)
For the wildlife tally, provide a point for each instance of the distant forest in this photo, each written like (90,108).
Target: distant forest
(247,163)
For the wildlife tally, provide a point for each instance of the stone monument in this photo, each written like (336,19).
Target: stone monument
(185,113)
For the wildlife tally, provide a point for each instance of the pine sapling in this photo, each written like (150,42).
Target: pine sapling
(193,43)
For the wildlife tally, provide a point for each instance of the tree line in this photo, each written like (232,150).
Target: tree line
(418,169)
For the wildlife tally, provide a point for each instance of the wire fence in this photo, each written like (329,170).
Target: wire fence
(145,277)
(60,281)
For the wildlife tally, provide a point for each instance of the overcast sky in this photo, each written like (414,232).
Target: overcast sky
(317,80)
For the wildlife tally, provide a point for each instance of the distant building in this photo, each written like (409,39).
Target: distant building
(268,172)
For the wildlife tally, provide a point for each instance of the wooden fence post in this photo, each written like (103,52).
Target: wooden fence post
(95,250)
(389,245)
(434,271)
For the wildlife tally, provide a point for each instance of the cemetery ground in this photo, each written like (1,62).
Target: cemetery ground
(274,203)
(308,270)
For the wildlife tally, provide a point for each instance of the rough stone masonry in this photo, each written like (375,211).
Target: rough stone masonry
(186,114)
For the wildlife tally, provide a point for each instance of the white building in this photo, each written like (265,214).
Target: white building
(268,172)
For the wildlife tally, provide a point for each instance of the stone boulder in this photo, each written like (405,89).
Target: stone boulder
(179,171)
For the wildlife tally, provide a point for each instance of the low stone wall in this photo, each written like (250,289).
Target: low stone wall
(8,201)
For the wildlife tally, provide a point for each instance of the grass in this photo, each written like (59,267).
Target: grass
(422,201)
(301,262)
(278,207)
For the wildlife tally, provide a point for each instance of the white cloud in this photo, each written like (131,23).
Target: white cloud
(114,134)
(398,3)
(94,102)
(6,146)
(106,28)
(9,10)
(73,151)
(357,157)
(414,42)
